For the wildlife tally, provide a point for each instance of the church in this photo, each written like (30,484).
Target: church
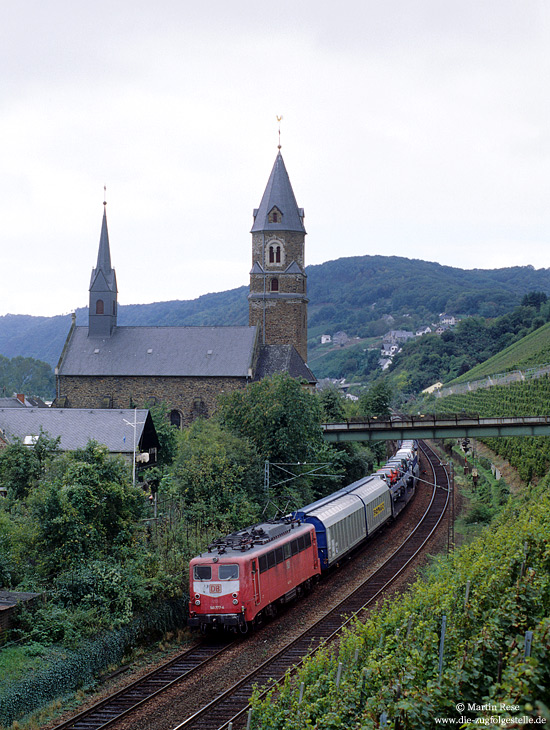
(105,365)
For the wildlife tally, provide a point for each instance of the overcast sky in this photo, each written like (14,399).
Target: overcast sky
(417,128)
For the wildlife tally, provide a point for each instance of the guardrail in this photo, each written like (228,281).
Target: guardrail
(512,376)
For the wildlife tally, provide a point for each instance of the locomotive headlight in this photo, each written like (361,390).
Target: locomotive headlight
(234,595)
(197,595)
(197,602)
(235,601)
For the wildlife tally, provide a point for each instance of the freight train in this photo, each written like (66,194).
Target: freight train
(244,577)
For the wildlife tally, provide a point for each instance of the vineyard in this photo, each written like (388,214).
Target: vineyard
(530,456)
(475,630)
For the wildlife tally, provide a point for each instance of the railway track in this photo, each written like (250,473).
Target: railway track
(106,712)
(231,706)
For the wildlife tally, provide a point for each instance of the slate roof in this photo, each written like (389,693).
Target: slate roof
(161,351)
(14,402)
(11,403)
(77,426)
(278,192)
(12,598)
(282,358)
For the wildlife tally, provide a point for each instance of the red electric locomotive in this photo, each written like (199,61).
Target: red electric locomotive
(245,576)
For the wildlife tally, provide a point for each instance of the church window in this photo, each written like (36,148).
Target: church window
(274,284)
(275,215)
(274,253)
(99,307)
(175,419)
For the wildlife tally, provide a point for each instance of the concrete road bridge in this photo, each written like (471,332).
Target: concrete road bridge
(435,427)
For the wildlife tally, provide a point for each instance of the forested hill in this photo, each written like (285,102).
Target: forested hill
(352,294)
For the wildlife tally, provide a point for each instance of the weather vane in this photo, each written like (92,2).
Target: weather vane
(279,118)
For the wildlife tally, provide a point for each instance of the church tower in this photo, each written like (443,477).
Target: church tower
(102,310)
(277,302)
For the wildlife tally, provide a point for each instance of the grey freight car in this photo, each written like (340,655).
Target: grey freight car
(348,518)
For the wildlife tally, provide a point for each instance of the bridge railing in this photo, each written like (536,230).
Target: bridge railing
(398,422)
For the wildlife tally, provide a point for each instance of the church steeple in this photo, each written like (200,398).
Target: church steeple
(102,312)
(277,303)
(278,209)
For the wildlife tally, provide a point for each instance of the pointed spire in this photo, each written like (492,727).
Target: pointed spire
(279,194)
(104,252)
(102,310)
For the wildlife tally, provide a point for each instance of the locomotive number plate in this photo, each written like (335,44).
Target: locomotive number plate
(215,588)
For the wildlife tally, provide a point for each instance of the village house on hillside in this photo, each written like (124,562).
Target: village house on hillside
(397,337)
(108,366)
(448,320)
(423,331)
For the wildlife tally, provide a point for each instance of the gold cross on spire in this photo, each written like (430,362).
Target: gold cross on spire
(279,119)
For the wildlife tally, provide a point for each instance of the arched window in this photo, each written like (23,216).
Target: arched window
(271,254)
(274,284)
(99,309)
(200,409)
(275,220)
(175,419)
(278,255)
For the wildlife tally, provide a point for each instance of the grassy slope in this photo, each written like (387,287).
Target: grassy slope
(532,350)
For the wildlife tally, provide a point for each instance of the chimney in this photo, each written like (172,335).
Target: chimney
(20,397)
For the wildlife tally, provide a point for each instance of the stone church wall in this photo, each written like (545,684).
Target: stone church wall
(191,396)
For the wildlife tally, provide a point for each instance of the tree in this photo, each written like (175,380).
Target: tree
(278,415)
(534,299)
(218,473)
(84,508)
(21,466)
(26,375)
(332,404)
(376,400)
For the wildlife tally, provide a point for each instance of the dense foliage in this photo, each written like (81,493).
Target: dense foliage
(218,475)
(353,294)
(72,529)
(279,415)
(26,375)
(46,673)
